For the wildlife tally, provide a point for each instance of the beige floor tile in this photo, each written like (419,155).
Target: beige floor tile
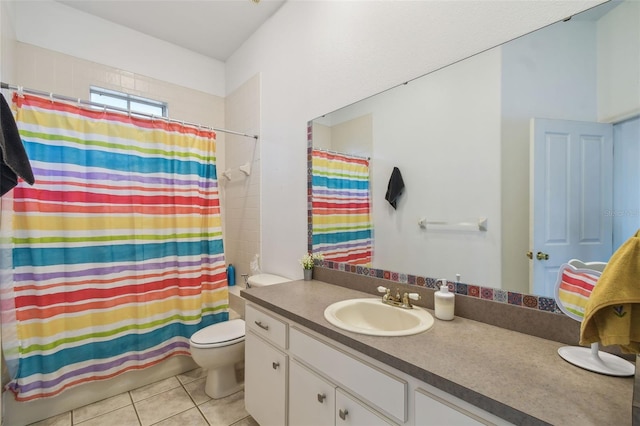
(63,419)
(225,411)
(125,416)
(247,421)
(101,407)
(196,391)
(163,406)
(192,375)
(154,389)
(191,417)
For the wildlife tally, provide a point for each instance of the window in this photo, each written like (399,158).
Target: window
(129,102)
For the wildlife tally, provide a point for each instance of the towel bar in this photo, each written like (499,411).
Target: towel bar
(480,225)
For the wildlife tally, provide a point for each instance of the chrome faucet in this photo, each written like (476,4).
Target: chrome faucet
(403,301)
(246,280)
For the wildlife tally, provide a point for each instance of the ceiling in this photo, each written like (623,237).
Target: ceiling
(214,28)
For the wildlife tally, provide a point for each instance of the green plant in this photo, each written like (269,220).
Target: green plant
(309,259)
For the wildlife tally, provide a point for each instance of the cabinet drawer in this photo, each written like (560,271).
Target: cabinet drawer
(378,387)
(431,409)
(266,326)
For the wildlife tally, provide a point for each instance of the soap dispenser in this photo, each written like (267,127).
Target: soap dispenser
(444,302)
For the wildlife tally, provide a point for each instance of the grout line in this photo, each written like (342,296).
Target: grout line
(135,409)
(194,402)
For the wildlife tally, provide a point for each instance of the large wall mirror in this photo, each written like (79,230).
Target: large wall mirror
(514,160)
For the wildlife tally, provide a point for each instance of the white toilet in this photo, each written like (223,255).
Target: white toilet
(219,348)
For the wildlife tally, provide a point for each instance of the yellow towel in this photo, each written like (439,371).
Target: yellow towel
(612,314)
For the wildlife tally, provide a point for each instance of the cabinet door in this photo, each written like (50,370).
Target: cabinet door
(351,412)
(265,382)
(311,398)
(433,410)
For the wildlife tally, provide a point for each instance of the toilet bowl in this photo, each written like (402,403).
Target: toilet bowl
(219,348)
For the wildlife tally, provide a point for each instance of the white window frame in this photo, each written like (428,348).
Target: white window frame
(103,93)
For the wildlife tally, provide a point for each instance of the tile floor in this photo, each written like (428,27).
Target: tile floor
(178,400)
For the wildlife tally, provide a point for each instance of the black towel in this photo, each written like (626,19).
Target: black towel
(13,158)
(395,187)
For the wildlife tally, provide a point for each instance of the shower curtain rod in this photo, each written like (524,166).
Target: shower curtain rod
(122,110)
(330,151)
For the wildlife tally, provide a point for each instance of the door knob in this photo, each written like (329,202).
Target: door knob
(530,254)
(542,256)
(275,365)
(321,397)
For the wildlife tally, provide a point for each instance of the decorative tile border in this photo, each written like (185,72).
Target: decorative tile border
(486,293)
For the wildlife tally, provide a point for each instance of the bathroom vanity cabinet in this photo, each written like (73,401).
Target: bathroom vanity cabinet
(266,367)
(295,376)
(459,372)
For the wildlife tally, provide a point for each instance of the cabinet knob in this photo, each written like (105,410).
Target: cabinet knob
(275,365)
(261,325)
(321,397)
(343,414)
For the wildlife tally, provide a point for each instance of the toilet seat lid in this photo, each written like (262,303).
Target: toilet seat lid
(223,332)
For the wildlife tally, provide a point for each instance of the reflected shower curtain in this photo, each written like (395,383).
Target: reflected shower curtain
(117,249)
(342,228)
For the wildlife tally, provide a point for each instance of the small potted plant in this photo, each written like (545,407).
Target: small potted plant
(307,262)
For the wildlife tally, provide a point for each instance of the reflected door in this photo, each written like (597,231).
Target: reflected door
(571,192)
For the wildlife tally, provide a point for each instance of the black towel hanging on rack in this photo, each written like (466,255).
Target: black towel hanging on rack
(395,187)
(13,158)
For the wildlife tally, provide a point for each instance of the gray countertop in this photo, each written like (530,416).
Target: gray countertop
(516,376)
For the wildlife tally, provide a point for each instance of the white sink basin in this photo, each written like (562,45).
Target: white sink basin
(371,316)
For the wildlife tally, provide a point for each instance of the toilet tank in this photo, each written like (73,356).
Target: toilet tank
(261,280)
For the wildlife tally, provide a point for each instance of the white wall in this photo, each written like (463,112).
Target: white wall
(316,57)
(443,133)
(616,98)
(57,27)
(8,35)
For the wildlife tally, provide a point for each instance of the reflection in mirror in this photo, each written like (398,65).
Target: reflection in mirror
(462,138)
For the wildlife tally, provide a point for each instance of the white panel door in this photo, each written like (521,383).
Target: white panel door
(626,181)
(571,191)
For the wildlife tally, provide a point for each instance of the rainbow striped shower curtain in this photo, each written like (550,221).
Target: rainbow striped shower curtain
(341,206)
(117,248)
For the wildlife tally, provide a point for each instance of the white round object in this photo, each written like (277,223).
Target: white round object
(597,361)
(219,334)
(261,280)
